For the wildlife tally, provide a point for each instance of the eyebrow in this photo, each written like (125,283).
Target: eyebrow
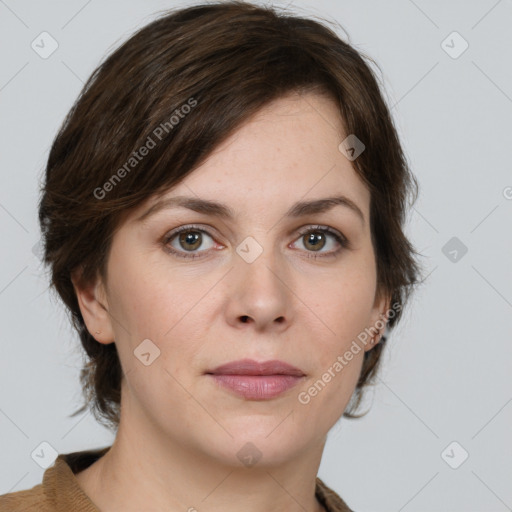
(205,206)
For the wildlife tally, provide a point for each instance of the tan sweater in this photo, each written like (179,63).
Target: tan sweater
(60,491)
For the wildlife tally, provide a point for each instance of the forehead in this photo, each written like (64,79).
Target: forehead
(288,151)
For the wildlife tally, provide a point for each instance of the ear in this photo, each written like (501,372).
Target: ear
(92,299)
(378,319)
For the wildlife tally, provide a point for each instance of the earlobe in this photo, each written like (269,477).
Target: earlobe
(92,300)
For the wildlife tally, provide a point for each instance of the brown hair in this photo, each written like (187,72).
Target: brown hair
(186,82)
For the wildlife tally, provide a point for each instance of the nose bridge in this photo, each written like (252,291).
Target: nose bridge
(257,257)
(260,279)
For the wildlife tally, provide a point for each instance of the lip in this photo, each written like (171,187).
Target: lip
(257,381)
(251,367)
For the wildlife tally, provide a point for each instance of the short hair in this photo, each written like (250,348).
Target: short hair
(189,79)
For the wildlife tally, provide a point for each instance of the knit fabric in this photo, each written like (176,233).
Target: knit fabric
(60,491)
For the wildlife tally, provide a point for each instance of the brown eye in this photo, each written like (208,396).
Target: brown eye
(317,238)
(190,240)
(314,240)
(187,240)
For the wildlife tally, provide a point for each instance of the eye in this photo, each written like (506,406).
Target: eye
(187,239)
(314,239)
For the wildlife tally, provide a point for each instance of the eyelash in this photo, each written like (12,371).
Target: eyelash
(344,243)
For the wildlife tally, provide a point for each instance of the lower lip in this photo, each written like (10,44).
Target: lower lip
(257,387)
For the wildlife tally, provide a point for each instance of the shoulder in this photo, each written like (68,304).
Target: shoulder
(27,500)
(330,500)
(59,490)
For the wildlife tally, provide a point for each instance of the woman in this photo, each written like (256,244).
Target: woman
(222,216)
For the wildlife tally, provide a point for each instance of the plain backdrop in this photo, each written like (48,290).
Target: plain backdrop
(445,391)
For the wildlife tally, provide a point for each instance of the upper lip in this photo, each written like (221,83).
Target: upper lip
(251,367)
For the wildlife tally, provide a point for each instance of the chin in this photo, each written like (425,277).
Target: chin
(264,443)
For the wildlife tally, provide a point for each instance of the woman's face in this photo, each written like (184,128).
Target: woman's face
(263,285)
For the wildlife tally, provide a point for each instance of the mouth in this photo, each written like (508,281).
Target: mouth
(257,381)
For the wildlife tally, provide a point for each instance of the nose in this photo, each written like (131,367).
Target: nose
(259,295)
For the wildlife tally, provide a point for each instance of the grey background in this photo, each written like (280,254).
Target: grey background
(446,373)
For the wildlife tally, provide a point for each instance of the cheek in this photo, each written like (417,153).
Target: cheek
(340,311)
(342,306)
(146,299)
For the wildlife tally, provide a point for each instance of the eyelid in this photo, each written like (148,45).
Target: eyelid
(204,228)
(320,227)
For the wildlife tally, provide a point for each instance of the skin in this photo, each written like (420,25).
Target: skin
(179,433)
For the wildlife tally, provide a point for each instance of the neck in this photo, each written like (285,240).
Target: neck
(146,470)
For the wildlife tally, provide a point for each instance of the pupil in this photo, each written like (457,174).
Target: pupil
(191,239)
(313,239)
